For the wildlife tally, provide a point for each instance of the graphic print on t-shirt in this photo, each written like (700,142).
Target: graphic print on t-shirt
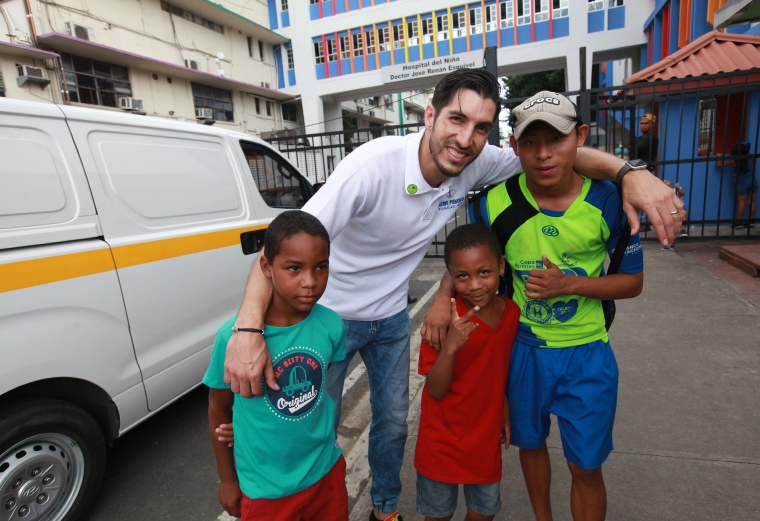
(299,373)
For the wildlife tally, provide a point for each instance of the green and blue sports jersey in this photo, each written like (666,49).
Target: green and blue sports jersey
(285,440)
(577,241)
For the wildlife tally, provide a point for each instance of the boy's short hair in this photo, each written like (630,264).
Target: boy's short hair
(469,236)
(549,107)
(478,80)
(290,223)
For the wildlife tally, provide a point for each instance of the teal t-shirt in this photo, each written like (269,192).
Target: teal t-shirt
(285,440)
(577,241)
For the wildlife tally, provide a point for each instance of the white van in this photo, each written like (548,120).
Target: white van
(125,242)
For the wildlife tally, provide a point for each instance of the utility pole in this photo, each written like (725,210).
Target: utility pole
(490,59)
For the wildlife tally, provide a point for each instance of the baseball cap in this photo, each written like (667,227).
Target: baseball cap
(547,106)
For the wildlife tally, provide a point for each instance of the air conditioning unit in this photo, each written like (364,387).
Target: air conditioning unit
(31,72)
(265,84)
(79,31)
(130,104)
(191,64)
(204,113)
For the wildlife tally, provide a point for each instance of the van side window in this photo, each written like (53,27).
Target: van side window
(280,185)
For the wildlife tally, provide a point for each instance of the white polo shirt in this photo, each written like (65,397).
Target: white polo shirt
(382,215)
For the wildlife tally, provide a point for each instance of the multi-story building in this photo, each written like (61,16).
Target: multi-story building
(347,49)
(183,59)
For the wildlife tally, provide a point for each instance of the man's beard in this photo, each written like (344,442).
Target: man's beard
(446,171)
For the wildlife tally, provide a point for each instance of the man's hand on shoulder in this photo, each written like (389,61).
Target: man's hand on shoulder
(437,320)
(246,360)
(644,191)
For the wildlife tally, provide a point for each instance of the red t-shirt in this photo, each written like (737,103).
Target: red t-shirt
(458,439)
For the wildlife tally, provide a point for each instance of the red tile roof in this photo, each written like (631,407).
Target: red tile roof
(711,53)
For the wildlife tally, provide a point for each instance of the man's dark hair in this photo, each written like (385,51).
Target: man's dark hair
(288,224)
(469,236)
(478,80)
(742,163)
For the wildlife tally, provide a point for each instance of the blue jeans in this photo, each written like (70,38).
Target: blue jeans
(384,348)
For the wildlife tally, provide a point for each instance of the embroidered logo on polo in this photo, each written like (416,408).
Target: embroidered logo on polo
(450,204)
(299,373)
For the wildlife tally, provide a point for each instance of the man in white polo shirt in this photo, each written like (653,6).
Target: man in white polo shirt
(382,207)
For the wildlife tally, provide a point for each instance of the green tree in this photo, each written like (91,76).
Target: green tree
(526,85)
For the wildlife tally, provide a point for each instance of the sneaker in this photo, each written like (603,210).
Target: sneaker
(665,248)
(750,224)
(737,226)
(683,233)
(391,517)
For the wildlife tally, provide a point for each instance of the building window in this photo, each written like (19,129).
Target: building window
(373,101)
(491,18)
(289,54)
(412,33)
(358,45)
(95,82)
(706,140)
(284,5)
(319,53)
(269,108)
(261,50)
(190,17)
(332,50)
(312,2)
(218,100)
(370,36)
(388,101)
(398,36)
(560,8)
(345,50)
(541,10)
(458,24)
(523,12)
(507,14)
(257,104)
(427,30)
(476,20)
(616,3)
(442,22)
(289,113)
(250,46)
(2,85)
(383,39)
(595,5)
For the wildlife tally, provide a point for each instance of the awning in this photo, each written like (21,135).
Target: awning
(216,12)
(69,44)
(712,53)
(737,12)
(25,51)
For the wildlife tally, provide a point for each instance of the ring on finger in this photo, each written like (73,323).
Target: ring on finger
(674,212)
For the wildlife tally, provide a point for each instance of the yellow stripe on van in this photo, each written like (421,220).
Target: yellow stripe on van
(144,252)
(25,274)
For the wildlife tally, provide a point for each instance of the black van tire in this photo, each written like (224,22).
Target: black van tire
(52,460)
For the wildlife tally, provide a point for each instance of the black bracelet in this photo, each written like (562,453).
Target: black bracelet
(235,329)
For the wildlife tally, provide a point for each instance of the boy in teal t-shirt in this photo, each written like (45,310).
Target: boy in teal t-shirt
(286,463)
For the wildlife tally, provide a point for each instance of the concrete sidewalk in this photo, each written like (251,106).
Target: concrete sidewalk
(687,433)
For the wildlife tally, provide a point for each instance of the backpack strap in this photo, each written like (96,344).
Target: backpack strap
(620,247)
(507,222)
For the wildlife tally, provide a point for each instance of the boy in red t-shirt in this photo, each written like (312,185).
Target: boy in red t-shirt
(465,413)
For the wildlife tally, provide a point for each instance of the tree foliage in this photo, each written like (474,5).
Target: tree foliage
(526,85)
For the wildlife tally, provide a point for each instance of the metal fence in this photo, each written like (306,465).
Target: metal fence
(698,121)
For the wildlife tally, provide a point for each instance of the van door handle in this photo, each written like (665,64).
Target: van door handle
(252,241)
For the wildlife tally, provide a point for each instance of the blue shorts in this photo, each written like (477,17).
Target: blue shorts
(578,384)
(746,184)
(436,499)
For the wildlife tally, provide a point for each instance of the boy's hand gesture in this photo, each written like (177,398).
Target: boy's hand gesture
(546,284)
(230,496)
(460,329)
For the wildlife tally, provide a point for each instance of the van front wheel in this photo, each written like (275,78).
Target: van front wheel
(52,459)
